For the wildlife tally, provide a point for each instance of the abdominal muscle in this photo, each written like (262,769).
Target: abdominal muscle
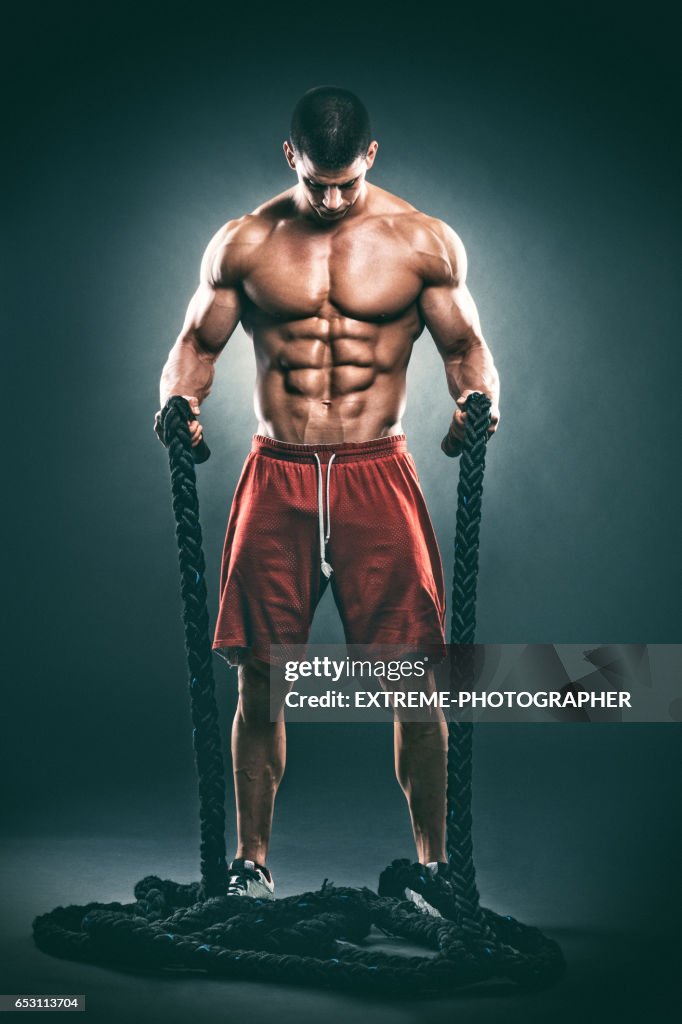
(324,382)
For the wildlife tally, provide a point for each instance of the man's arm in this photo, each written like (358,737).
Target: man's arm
(451,316)
(213,313)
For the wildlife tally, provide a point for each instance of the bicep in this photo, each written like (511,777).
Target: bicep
(450,315)
(212,315)
(216,307)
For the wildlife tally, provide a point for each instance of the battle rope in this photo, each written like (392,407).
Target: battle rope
(462,629)
(311,939)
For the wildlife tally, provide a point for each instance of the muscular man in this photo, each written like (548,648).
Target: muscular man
(334,280)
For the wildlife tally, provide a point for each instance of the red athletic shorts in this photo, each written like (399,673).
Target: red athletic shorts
(350,514)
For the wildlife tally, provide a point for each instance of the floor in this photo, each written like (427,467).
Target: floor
(612,975)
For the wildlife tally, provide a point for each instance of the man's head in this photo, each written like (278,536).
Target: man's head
(331,149)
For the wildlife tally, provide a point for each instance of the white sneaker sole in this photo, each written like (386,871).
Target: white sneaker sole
(421,904)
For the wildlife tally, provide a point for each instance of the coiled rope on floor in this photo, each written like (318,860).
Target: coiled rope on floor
(313,938)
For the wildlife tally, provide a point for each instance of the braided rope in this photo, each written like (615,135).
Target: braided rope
(206,732)
(462,628)
(309,939)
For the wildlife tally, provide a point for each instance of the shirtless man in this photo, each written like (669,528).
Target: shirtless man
(334,280)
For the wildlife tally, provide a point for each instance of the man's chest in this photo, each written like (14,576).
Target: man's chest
(358,273)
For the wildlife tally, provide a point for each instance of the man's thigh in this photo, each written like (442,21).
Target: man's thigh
(388,578)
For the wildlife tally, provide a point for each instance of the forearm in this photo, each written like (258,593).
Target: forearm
(189,370)
(471,368)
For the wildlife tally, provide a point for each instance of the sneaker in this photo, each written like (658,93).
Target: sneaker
(425,885)
(435,869)
(246,878)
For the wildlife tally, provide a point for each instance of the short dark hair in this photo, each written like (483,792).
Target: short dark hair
(331,126)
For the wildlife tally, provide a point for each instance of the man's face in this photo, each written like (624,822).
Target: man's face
(330,194)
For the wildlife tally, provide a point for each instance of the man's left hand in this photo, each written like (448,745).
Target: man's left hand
(452,442)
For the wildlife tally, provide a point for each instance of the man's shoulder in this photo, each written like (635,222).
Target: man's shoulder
(250,229)
(434,242)
(420,228)
(432,235)
(233,243)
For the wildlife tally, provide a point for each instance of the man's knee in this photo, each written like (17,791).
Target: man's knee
(432,733)
(254,690)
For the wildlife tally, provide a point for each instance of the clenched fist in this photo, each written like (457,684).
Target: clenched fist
(195,429)
(452,442)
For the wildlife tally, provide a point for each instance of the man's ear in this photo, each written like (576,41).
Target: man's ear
(289,154)
(371,153)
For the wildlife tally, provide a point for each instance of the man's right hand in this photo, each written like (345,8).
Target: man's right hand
(195,428)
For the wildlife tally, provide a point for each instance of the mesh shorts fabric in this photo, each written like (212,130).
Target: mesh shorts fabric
(387,578)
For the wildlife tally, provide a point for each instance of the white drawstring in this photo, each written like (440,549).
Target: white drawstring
(324,537)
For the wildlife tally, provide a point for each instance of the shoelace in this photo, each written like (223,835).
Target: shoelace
(238,882)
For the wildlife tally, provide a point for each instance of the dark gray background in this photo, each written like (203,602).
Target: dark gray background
(547,136)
